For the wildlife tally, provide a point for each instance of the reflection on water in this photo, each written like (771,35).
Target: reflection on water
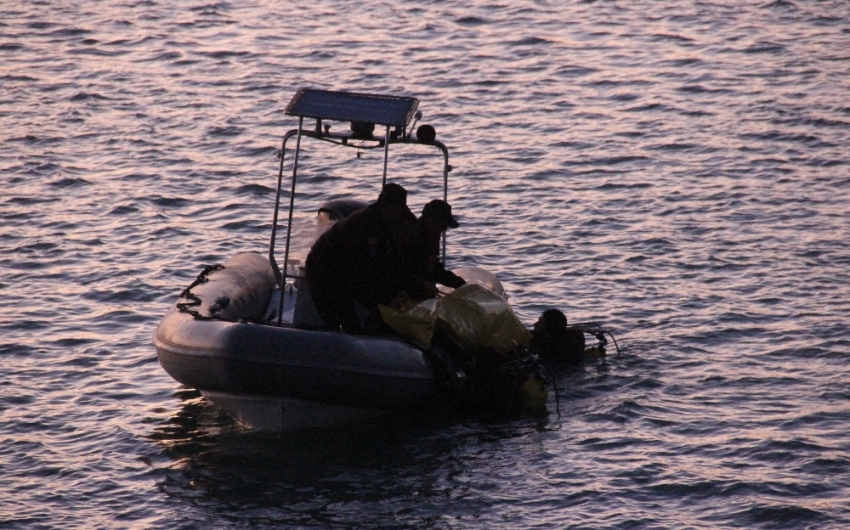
(325,475)
(437,468)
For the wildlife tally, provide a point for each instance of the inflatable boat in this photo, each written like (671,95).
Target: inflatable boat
(245,332)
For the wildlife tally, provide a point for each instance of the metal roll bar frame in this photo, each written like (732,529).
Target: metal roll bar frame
(394,134)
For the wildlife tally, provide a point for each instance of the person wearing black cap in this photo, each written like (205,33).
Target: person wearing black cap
(420,253)
(354,261)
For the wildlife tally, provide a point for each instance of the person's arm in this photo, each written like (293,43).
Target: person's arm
(447,278)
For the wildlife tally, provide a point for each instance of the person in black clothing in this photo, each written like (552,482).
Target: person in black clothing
(551,340)
(354,261)
(420,263)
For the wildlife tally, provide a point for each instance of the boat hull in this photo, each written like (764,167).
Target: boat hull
(264,360)
(254,371)
(281,414)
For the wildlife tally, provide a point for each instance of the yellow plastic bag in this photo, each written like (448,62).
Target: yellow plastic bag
(478,317)
(415,322)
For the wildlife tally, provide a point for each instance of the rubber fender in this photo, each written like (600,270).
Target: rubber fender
(240,290)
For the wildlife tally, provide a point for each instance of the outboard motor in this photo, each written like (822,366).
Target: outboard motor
(332,211)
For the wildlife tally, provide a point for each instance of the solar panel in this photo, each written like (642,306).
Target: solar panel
(353,107)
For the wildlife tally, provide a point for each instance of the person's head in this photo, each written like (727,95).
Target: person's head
(552,321)
(393,201)
(437,216)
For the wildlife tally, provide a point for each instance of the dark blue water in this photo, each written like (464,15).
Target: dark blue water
(676,172)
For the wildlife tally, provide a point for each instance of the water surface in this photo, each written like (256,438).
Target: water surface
(677,173)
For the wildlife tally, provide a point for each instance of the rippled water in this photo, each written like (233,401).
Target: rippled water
(676,172)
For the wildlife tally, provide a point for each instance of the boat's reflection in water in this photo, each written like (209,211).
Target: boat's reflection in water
(221,467)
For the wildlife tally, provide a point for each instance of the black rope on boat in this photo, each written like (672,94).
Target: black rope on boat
(194,300)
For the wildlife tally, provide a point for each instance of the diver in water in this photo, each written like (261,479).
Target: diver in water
(551,340)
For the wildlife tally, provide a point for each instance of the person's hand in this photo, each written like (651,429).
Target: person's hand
(430,289)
